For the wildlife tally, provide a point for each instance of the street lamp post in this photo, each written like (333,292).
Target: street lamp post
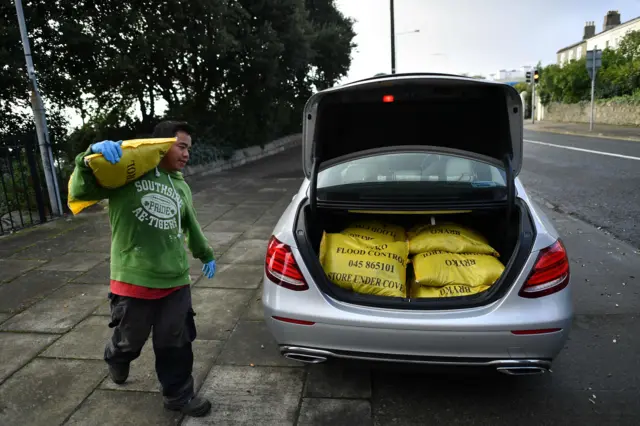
(393,39)
(394,35)
(40,119)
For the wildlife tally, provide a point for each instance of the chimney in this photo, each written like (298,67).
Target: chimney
(589,30)
(611,20)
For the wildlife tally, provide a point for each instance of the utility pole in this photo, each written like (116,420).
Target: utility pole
(536,80)
(40,120)
(533,103)
(393,38)
(528,76)
(593,64)
(593,86)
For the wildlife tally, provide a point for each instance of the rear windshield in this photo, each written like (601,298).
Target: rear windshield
(413,167)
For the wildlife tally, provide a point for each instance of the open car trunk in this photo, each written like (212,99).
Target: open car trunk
(398,146)
(512,237)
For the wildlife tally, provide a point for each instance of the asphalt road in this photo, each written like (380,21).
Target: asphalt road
(596,180)
(596,379)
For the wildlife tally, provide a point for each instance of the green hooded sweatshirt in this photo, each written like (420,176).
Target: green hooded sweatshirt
(150,219)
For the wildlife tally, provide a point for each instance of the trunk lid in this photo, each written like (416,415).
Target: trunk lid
(479,118)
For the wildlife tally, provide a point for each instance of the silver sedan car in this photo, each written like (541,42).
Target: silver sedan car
(407,149)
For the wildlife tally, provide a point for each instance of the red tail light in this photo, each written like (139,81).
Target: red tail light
(537,331)
(293,321)
(550,273)
(281,267)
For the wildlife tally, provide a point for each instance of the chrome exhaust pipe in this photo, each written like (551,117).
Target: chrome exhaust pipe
(309,359)
(523,370)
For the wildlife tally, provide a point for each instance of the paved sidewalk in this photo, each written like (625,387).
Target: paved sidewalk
(582,129)
(53,320)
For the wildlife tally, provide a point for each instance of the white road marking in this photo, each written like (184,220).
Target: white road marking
(590,151)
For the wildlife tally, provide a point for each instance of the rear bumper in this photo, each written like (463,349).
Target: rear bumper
(478,336)
(506,366)
(440,347)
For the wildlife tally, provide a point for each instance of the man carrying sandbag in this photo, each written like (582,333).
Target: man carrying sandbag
(150,283)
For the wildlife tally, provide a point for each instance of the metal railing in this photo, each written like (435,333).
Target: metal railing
(23,193)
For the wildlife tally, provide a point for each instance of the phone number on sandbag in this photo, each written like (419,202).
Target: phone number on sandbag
(379,266)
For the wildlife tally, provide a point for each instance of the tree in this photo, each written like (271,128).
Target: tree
(16,118)
(629,46)
(332,42)
(522,87)
(569,84)
(618,76)
(240,71)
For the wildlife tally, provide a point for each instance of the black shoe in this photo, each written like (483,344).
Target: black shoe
(196,407)
(119,373)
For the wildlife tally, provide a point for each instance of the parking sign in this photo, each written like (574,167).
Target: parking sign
(591,57)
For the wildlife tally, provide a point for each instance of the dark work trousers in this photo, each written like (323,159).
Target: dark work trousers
(171,319)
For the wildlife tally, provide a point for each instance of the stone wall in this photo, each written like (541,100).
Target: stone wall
(615,113)
(245,155)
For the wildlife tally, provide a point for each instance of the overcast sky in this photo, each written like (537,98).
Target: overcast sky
(470,36)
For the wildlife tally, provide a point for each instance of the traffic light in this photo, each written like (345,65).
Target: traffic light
(536,76)
(528,76)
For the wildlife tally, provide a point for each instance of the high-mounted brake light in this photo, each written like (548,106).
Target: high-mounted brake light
(281,267)
(550,273)
(387,98)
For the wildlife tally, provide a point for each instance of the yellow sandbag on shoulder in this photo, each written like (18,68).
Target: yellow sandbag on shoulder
(365,266)
(373,229)
(439,269)
(448,237)
(139,156)
(77,206)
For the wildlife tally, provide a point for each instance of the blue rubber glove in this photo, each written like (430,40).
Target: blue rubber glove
(209,269)
(110,150)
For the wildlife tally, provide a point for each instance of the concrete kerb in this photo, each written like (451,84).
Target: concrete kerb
(245,155)
(583,134)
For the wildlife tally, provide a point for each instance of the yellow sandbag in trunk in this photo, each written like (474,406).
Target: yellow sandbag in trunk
(418,291)
(365,266)
(373,229)
(439,269)
(448,237)
(139,156)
